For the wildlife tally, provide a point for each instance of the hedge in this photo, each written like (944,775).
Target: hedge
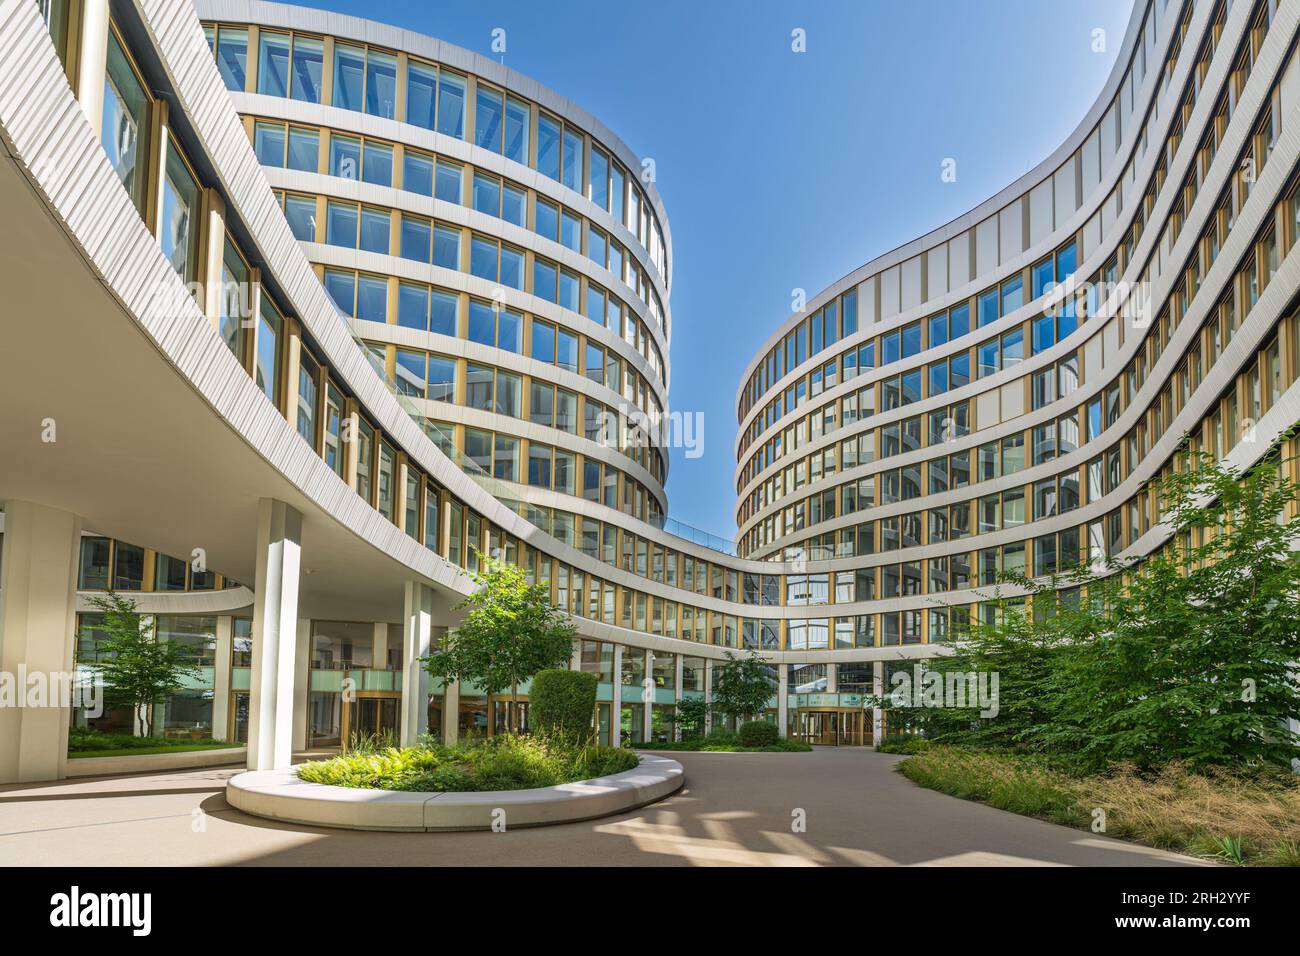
(562,704)
(758,733)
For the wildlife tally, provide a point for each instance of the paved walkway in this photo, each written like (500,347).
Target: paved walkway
(736,809)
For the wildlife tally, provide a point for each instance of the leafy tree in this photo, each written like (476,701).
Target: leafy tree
(138,671)
(1186,654)
(690,715)
(510,632)
(1023,652)
(1190,654)
(742,686)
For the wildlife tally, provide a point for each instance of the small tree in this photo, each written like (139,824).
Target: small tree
(138,671)
(510,632)
(741,686)
(690,715)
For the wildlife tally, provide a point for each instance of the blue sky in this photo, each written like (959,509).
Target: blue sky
(782,170)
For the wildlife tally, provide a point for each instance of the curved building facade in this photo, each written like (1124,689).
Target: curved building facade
(999,395)
(330,308)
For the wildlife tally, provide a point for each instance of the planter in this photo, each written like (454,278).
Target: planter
(280,795)
(145,763)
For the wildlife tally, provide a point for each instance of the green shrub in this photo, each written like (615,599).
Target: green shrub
(562,703)
(902,744)
(504,762)
(758,733)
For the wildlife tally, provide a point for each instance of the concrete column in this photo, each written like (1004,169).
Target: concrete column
(417,637)
(648,696)
(782,693)
(877,689)
(275,636)
(451,713)
(616,707)
(221,679)
(575,656)
(708,694)
(38,578)
(301,683)
(92,60)
(832,679)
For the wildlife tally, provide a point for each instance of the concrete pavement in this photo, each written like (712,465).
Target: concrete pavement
(736,809)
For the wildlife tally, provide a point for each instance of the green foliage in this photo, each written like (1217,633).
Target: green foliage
(902,744)
(724,741)
(741,686)
(506,762)
(138,671)
(84,740)
(563,703)
(758,733)
(1235,818)
(1185,656)
(690,715)
(510,632)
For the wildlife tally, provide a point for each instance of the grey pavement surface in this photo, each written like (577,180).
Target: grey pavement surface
(735,810)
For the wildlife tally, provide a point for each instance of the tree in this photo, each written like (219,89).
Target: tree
(1186,654)
(138,671)
(742,686)
(1190,654)
(510,632)
(689,716)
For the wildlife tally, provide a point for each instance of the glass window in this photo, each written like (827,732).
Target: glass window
(273,64)
(178,233)
(417,173)
(345,157)
(232,57)
(442,378)
(93,572)
(300,212)
(378,165)
(267,372)
(415,237)
(349,76)
(374,230)
(442,312)
(308,59)
(447,188)
(598,179)
(381,84)
(571,160)
(413,306)
(304,149)
(446,247)
(125,130)
(307,391)
(514,205)
(372,298)
(488,116)
(451,104)
(487,194)
(548,147)
(341,225)
(421,86)
(268,143)
(516,130)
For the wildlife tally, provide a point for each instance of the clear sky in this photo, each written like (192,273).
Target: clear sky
(780,169)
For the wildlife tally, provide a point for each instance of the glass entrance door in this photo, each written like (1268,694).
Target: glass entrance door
(373,718)
(833,728)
